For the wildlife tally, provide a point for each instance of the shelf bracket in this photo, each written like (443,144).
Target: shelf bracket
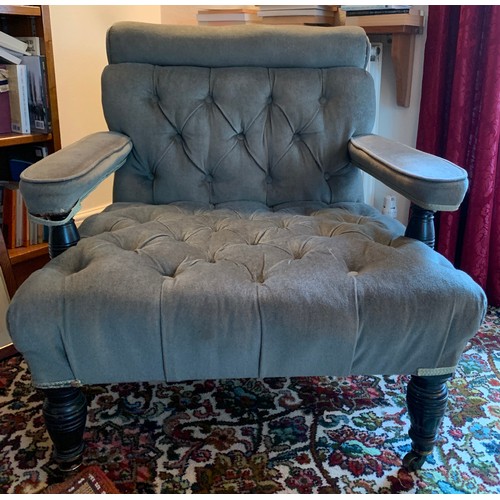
(402,53)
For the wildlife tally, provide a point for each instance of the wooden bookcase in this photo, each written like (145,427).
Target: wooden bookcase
(31,20)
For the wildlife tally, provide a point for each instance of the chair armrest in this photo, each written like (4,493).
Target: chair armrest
(427,180)
(54,187)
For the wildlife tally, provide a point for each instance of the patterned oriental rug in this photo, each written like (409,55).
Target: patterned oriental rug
(285,435)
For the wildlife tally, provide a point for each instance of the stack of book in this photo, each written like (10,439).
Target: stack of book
(18,230)
(298,14)
(12,49)
(222,17)
(23,79)
(4,101)
(386,15)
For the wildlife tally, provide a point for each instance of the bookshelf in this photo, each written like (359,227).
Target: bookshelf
(30,20)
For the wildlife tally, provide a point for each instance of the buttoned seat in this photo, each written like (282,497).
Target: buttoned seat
(238,243)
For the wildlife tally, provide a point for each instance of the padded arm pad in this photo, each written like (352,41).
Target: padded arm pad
(427,180)
(54,187)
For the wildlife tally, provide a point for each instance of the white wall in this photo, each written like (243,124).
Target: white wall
(79,49)
(79,40)
(180,14)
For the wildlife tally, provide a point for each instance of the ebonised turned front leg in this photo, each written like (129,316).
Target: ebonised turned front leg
(62,237)
(65,409)
(65,413)
(426,398)
(421,225)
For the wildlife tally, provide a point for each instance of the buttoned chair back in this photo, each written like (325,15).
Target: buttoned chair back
(258,120)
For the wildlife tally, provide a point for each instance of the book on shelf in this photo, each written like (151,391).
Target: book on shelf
(318,20)
(17,228)
(33,45)
(4,101)
(360,8)
(312,10)
(38,97)
(10,56)
(227,15)
(22,158)
(22,229)
(18,231)
(18,98)
(386,20)
(264,8)
(298,14)
(9,204)
(383,12)
(15,223)
(12,43)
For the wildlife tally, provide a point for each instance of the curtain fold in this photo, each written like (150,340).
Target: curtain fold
(460,120)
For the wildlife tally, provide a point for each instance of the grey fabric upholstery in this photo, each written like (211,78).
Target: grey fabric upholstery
(54,187)
(244,291)
(254,46)
(237,244)
(427,180)
(286,138)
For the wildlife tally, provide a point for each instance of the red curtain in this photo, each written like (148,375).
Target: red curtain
(460,121)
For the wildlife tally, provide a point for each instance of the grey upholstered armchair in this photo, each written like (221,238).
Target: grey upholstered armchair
(238,244)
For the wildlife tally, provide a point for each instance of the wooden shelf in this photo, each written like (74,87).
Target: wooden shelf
(20,10)
(18,139)
(389,30)
(22,254)
(402,52)
(26,260)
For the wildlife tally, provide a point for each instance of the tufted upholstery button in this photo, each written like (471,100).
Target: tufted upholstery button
(270,99)
(240,137)
(296,138)
(209,99)
(269,180)
(322,100)
(209,178)
(326,176)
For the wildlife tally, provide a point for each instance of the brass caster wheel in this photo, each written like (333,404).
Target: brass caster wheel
(70,463)
(66,467)
(413,461)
